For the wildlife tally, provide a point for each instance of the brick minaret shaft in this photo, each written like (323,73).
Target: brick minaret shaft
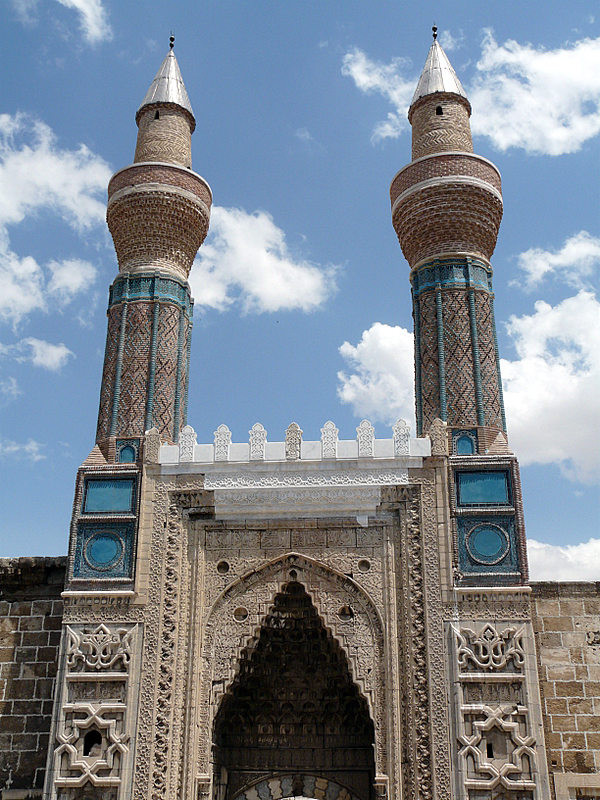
(446,210)
(158,214)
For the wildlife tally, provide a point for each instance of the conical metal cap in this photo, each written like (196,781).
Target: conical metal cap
(168,86)
(438,75)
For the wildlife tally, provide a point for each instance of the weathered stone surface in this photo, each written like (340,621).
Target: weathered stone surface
(31,608)
(564,615)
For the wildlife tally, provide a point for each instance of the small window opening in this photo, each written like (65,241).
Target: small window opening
(465,446)
(439,111)
(490,750)
(92,743)
(127,455)
(157,115)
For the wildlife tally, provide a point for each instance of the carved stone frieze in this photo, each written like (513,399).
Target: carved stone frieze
(344,500)
(101,649)
(357,477)
(490,649)
(426,757)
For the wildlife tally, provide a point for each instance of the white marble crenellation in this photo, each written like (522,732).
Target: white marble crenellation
(340,450)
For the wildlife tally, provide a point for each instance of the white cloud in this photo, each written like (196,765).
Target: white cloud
(450,42)
(246,260)
(551,391)
(304,135)
(381,384)
(577,260)
(9,387)
(573,562)
(93,17)
(544,101)
(70,277)
(30,449)
(36,175)
(43,354)
(373,76)
(38,352)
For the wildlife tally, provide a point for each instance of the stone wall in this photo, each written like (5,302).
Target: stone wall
(566,618)
(30,624)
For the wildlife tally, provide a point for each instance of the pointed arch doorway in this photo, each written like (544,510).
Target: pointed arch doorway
(293,712)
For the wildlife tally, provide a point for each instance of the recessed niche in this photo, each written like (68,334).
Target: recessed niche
(346,614)
(364,565)
(240,614)
(222,567)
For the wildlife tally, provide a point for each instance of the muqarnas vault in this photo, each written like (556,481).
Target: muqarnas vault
(333,619)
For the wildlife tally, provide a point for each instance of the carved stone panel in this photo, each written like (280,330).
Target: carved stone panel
(95,719)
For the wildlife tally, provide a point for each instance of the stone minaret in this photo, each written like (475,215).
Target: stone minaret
(446,210)
(158,215)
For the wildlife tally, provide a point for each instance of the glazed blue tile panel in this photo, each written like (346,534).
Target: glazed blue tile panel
(106,495)
(104,551)
(488,488)
(487,545)
(465,446)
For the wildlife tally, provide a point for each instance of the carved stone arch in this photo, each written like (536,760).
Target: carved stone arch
(292,785)
(233,625)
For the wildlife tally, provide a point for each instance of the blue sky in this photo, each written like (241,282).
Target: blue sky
(302,296)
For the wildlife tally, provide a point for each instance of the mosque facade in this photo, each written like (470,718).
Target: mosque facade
(339,619)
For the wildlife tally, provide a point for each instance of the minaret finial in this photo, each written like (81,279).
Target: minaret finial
(434,29)
(171,41)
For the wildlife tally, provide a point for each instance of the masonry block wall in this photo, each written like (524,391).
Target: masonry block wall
(566,617)
(30,627)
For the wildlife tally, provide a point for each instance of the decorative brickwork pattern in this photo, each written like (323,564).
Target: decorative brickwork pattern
(429,360)
(458,354)
(488,361)
(134,370)
(163,174)
(108,374)
(166,369)
(148,368)
(30,622)
(443,166)
(566,618)
(448,217)
(157,227)
(165,134)
(463,385)
(436,133)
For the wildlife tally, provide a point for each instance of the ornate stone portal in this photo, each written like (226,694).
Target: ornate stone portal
(332,619)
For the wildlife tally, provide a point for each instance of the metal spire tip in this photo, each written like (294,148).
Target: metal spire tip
(171,41)
(434,29)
